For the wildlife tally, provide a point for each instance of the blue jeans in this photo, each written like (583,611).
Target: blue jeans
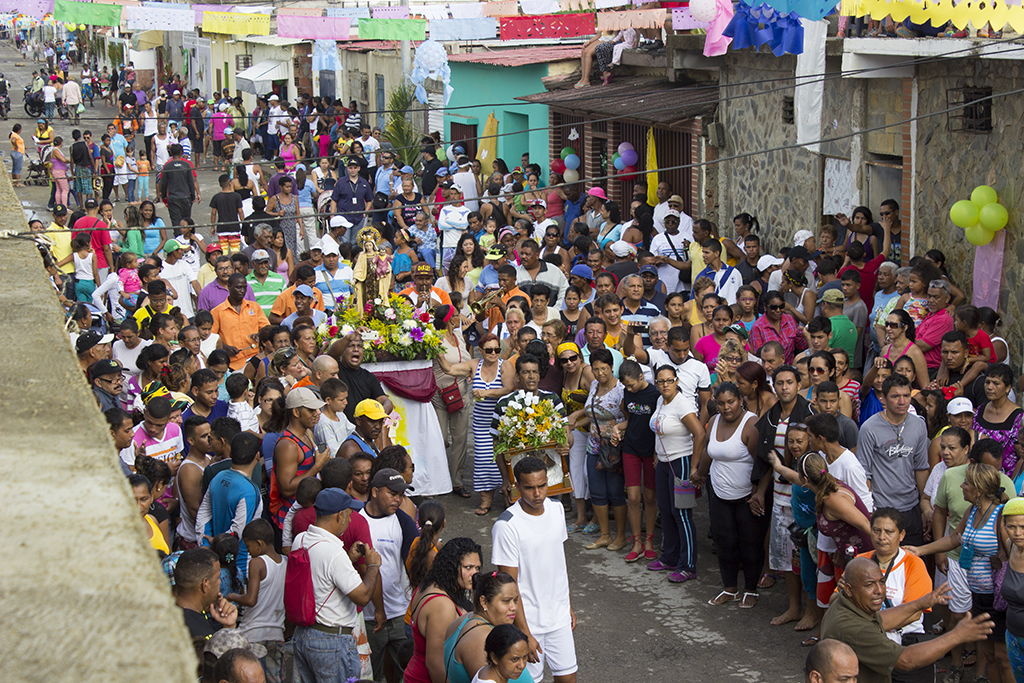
(324,658)
(678,544)
(130,189)
(606,488)
(17,159)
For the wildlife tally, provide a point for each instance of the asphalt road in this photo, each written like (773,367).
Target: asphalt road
(633,625)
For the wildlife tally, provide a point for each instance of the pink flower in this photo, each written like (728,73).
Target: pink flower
(333,330)
(416,334)
(368,307)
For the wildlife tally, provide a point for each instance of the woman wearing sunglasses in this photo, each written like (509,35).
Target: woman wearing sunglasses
(777,325)
(899,336)
(576,378)
(491,381)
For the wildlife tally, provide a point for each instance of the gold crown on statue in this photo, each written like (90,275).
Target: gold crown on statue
(369,234)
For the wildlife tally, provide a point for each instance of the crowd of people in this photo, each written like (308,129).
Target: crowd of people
(852,422)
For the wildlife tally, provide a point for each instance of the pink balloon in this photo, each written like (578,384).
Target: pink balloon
(623,147)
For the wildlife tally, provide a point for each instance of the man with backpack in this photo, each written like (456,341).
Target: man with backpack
(322,590)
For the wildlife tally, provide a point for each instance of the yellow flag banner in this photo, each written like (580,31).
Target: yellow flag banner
(978,13)
(488,149)
(231,24)
(652,169)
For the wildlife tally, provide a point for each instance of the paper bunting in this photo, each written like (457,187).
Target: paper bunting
(682,19)
(201,9)
(430,62)
(300,12)
(159,18)
(466,10)
(608,4)
(810,9)
(998,14)
(87,13)
(430,12)
(313,28)
(392,29)
(547,26)
(33,8)
(353,13)
(501,8)
(325,55)
(232,24)
(390,12)
(574,5)
(464,29)
(539,6)
(642,18)
(754,27)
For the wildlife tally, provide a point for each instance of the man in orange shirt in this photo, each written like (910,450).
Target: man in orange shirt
(238,322)
(509,289)
(423,288)
(284,305)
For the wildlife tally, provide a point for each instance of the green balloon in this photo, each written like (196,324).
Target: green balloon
(979,236)
(614,157)
(982,195)
(964,214)
(566,151)
(993,216)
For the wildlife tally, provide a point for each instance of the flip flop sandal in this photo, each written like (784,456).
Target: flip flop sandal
(763,583)
(809,642)
(722,598)
(744,604)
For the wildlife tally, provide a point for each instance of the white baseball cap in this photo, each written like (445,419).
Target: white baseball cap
(767,261)
(273,98)
(959,405)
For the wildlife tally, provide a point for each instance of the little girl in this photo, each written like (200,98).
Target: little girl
(142,183)
(128,271)
(967,319)
(132,171)
(87,276)
(572,316)
(487,236)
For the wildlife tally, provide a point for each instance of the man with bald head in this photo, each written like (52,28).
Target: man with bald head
(831,661)
(324,368)
(856,618)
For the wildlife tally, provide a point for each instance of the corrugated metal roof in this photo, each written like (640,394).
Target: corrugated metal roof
(532,55)
(367,45)
(651,100)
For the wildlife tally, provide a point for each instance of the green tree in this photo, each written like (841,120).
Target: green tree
(400,130)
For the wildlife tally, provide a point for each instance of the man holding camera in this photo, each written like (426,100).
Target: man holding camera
(637,311)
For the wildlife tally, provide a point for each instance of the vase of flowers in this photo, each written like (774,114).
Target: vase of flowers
(532,427)
(392,329)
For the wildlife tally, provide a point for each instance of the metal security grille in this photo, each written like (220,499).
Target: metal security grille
(673,149)
(974,113)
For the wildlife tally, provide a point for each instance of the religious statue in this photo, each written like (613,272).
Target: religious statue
(371,274)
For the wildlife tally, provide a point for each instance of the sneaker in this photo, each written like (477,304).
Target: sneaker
(681,576)
(657,566)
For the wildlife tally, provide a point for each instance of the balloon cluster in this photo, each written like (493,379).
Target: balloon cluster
(625,160)
(568,165)
(980,216)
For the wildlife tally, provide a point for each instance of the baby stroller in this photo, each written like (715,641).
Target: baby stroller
(323,210)
(38,172)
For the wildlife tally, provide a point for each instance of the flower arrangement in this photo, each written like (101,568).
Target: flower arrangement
(529,422)
(393,329)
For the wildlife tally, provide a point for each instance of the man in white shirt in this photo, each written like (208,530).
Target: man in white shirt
(277,123)
(370,145)
(694,377)
(466,179)
(538,207)
(664,191)
(672,254)
(726,278)
(337,590)
(178,273)
(392,532)
(528,543)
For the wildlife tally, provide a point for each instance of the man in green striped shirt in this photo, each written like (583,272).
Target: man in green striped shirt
(267,286)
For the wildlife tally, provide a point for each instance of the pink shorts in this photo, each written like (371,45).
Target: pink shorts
(634,468)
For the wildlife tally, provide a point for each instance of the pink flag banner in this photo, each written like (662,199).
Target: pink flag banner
(390,12)
(33,8)
(988,271)
(300,12)
(313,28)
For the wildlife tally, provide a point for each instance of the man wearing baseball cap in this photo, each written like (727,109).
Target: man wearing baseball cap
(352,196)
(369,422)
(393,532)
(304,300)
(178,274)
(422,292)
(92,346)
(266,285)
(338,590)
(671,249)
(799,259)
(844,332)
(60,243)
(107,381)
(495,258)
(208,271)
(277,118)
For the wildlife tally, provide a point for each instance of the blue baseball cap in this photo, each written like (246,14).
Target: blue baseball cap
(441,172)
(304,290)
(332,501)
(582,270)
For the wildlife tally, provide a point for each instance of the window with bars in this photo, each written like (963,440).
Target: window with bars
(973,113)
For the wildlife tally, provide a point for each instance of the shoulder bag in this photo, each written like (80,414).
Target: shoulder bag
(609,457)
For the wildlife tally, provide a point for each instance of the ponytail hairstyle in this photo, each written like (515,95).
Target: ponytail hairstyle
(175,378)
(987,481)
(431,518)
(814,469)
(487,586)
(226,547)
(156,471)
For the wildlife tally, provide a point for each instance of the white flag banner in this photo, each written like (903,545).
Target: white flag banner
(160,18)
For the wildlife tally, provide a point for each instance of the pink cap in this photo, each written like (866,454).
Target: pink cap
(597,192)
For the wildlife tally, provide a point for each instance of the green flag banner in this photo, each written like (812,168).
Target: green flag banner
(95,14)
(392,29)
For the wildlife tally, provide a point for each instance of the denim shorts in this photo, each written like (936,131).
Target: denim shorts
(606,488)
(17,158)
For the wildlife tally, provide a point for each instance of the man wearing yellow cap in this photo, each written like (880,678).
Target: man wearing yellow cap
(369,424)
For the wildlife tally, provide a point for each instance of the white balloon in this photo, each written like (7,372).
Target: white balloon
(571,176)
(704,10)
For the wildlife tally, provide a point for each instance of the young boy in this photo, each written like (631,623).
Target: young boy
(817,334)
(856,310)
(204,391)
(239,408)
(305,496)
(208,340)
(157,436)
(263,622)
(333,427)
(871,399)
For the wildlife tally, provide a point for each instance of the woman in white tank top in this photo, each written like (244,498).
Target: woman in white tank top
(739,521)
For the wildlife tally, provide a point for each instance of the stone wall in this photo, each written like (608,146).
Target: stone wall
(950,165)
(884,107)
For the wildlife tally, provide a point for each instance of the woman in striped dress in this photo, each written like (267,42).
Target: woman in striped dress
(489,385)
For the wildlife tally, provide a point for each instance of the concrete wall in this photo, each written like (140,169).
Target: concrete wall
(950,165)
(82,593)
(367,66)
(498,87)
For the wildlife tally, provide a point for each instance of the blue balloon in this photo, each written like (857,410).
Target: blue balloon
(571,162)
(620,164)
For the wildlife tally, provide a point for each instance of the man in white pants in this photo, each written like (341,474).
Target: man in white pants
(528,544)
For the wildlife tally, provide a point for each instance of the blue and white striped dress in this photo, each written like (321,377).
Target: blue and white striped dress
(486,475)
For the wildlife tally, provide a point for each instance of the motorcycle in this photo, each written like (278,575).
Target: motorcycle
(34,103)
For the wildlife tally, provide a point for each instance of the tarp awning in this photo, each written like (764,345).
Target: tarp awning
(259,78)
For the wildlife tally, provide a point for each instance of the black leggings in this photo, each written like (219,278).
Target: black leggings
(739,540)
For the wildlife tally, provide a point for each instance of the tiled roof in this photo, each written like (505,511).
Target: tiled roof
(520,57)
(652,100)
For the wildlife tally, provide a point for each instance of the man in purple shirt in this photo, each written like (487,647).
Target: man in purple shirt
(216,293)
(937,323)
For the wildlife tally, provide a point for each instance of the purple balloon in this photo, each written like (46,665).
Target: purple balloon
(630,157)
(623,147)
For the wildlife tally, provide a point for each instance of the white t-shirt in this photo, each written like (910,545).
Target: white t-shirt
(331,570)
(848,470)
(467,181)
(672,440)
(150,124)
(330,434)
(128,357)
(386,533)
(693,375)
(49,94)
(534,545)
(540,228)
(179,274)
(662,245)
(209,345)
(245,414)
(453,221)
(370,145)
